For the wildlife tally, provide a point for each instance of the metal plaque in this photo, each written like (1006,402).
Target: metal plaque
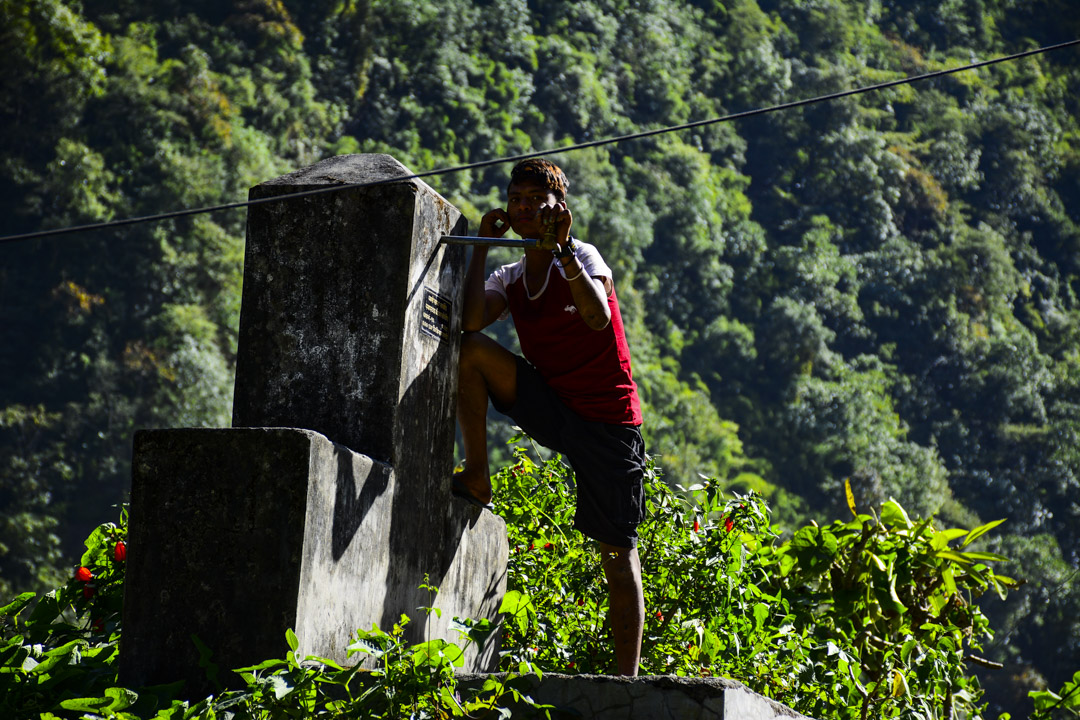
(435,317)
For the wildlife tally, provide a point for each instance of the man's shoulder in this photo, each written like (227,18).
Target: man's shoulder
(591,259)
(506,275)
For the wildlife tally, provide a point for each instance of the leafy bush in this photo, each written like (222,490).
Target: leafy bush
(874,617)
(60,661)
(869,618)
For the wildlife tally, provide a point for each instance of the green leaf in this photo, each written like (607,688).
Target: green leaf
(98,546)
(980,531)
(365,646)
(59,656)
(894,515)
(942,538)
(513,602)
(1044,699)
(761,613)
(205,653)
(16,606)
(87,704)
(520,607)
(974,555)
(290,637)
(272,663)
(850,496)
(948,579)
(999,588)
(900,607)
(122,698)
(438,652)
(47,609)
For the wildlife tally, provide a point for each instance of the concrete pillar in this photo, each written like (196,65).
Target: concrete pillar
(328,503)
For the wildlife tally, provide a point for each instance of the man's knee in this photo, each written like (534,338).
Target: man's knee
(621,566)
(475,346)
(481,358)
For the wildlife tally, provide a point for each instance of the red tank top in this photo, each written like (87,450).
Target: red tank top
(589,369)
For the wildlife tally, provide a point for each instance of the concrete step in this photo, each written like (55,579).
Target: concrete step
(655,697)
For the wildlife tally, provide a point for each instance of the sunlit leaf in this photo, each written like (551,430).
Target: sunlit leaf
(894,515)
(980,531)
(899,684)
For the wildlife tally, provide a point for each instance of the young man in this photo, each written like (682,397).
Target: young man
(572,392)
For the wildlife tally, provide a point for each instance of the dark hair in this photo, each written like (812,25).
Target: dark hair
(544,173)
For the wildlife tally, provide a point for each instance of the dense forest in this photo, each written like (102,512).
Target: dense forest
(881,289)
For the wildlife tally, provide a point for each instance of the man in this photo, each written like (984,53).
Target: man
(572,392)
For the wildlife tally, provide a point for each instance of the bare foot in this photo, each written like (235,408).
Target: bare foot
(473,484)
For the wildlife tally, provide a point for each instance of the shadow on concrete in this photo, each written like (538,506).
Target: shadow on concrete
(350,507)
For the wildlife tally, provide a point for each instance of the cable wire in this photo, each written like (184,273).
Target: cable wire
(552,151)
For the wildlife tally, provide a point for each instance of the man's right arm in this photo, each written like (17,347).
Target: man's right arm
(482,308)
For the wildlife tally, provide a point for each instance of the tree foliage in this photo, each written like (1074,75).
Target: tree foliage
(880,290)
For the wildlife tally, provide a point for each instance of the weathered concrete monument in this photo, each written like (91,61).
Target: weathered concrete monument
(328,503)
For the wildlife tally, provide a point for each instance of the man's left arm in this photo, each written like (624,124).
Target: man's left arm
(590,293)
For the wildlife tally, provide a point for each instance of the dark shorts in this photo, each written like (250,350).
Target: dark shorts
(608,460)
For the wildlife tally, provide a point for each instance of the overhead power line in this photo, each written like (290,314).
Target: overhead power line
(552,151)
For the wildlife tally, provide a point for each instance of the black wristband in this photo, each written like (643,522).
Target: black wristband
(567,250)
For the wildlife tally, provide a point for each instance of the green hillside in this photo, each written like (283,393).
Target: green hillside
(881,289)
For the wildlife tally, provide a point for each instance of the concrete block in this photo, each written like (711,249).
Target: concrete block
(657,697)
(243,533)
(350,322)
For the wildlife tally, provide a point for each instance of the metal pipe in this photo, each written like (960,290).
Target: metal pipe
(526,244)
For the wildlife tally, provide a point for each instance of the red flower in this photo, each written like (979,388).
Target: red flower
(88,591)
(729,524)
(120,551)
(660,616)
(697,525)
(83,574)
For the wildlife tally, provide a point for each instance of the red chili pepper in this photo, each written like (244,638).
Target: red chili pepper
(548,546)
(83,574)
(660,616)
(120,551)
(697,525)
(88,591)
(729,524)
